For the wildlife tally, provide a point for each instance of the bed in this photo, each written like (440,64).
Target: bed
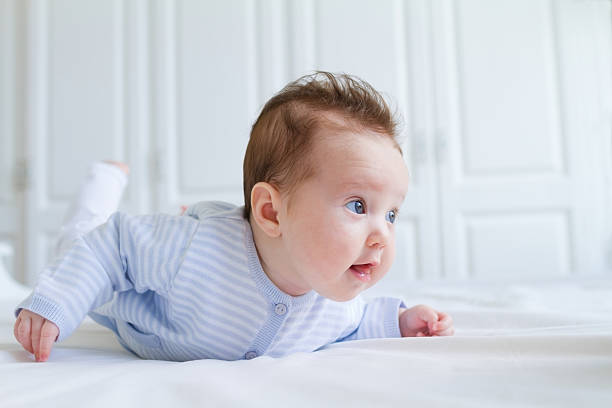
(543,343)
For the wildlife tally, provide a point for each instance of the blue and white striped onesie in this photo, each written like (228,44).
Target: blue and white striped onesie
(192,287)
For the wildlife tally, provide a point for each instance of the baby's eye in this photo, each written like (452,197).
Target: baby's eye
(356,206)
(391,216)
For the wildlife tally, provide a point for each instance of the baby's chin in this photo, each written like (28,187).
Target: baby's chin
(344,288)
(341,297)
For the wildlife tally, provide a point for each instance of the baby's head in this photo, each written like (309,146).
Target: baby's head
(323,180)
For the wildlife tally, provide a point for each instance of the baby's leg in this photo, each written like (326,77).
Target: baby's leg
(96,200)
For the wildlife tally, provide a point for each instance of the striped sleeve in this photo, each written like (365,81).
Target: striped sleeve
(380,319)
(126,253)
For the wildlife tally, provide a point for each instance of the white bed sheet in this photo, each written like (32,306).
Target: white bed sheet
(535,344)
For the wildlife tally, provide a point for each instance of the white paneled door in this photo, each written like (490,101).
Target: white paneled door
(506,109)
(520,127)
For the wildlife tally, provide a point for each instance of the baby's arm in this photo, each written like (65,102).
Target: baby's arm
(378,318)
(421,320)
(140,253)
(83,278)
(35,333)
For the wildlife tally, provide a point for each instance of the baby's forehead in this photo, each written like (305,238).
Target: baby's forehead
(337,141)
(332,141)
(357,149)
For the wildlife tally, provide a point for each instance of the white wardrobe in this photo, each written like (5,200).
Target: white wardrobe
(506,106)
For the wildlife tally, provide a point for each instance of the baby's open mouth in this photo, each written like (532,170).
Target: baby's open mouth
(362,271)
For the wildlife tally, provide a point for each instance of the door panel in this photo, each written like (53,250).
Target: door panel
(206,99)
(76,101)
(512,155)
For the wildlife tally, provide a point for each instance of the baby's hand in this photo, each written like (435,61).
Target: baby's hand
(422,321)
(35,333)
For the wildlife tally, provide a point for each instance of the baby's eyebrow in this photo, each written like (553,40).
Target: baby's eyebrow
(357,186)
(360,185)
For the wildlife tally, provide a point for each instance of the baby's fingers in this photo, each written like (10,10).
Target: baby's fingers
(444,327)
(37,323)
(448,332)
(48,334)
(445,319)
(23,333)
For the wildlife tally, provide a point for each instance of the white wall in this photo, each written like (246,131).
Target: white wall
(506,107)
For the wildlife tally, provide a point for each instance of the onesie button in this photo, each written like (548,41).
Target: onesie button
(250,355)
(280,309)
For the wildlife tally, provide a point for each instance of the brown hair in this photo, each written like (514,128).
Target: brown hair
(281,138)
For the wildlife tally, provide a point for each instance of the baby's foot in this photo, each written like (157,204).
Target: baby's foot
(124,167)
(97,199)
(103,187)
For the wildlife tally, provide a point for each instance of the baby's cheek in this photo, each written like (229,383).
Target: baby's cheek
(334,246)
(335,254)
(332,241)
(389,253)
(388,257)
(321,252)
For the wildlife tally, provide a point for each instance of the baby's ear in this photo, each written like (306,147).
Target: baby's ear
(265,202)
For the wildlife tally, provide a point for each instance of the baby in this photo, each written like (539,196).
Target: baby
(323,181)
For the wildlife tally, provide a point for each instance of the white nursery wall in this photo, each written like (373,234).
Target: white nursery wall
(505,104)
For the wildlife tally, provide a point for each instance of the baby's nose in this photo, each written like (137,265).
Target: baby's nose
(379,233)
(376,240)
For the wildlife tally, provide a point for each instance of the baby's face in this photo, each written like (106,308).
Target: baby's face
(338,229)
